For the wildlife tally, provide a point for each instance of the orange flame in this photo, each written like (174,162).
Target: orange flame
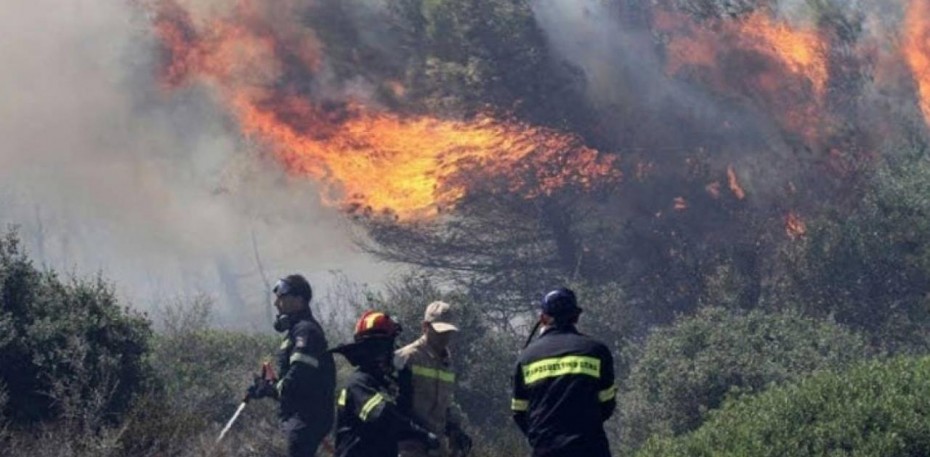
(408,166)
(795,226)
(411,166)
(795,63)
(916,48)
(801,50)
(713,189)
(735,187)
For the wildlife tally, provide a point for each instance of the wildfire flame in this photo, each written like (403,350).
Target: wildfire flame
(369,160)
(796,62)
(735,186)
(795,226)
(916,48)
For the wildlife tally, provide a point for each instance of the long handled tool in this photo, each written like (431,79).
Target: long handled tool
(232,420)
(268,375)
(529,338)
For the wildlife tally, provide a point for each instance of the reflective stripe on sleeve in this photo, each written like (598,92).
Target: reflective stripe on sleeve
(304,358)
(432,373)
(285,344)
(279,386)
(607,394)
(518,405)
(562,366)
(369,405)
(342,398)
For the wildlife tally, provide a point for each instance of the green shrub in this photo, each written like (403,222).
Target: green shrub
(879,409)
(868,266)
(687,370)
(202,374)
(66,348)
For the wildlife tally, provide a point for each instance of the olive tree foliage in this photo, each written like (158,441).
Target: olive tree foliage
(470,56)
(874,409)
(503,251)
(67,347)
(687,370)
(869,267)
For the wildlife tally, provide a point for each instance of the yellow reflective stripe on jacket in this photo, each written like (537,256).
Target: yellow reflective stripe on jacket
(433,373)
(369,405)
(607,394)
(342,398)
(279,386)
(304,358)
(561,366)
(285,344)
(519,405)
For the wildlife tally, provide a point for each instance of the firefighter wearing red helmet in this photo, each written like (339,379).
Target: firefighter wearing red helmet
(369,423)
(563,387)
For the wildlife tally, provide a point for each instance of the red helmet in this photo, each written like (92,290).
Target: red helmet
(375,324)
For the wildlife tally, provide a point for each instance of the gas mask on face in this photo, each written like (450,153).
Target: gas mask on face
(282,323)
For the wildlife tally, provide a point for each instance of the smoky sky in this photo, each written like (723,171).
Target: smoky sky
(104,171)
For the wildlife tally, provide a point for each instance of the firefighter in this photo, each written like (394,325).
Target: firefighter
(305,389)
(369,422)
(563,388)
(427,384)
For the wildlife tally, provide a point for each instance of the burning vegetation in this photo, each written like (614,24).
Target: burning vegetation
(369,159)
(493,155)
(709,173)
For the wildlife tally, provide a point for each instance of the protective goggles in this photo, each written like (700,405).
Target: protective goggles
(282,288)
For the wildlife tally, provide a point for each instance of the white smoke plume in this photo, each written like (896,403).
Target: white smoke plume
(104,171)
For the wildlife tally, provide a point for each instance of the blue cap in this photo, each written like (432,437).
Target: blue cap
(560,302)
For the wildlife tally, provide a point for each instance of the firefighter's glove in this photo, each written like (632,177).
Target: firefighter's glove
(460,441)
(261,388)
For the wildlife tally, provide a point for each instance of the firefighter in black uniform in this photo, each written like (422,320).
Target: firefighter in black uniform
(369,423)
(563,388)
(307,383)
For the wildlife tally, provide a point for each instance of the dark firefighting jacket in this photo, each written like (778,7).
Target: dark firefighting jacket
(369,423)
(307,375)
(563,391)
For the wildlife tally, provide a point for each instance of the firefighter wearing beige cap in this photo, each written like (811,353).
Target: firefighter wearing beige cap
(427,385)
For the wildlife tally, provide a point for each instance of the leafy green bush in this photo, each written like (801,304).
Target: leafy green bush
(869,267)
(202,374)
(879,409)
(688,369)
(66,348)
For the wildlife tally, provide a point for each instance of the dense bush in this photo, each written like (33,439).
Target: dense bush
(687,370)
(199,376)
(870,267)
(66,347)
(202,374)
(878,409)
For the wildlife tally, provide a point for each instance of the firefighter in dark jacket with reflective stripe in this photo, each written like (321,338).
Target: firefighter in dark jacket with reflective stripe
(307,383)
(369,423)
(563,388)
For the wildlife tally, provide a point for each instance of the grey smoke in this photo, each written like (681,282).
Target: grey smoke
(104,171)
(625,79)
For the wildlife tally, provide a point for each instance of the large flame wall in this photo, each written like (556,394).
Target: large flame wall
(369,158)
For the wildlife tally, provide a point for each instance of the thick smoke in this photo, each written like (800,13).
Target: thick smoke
(616,45)
(659,118)
(104,171)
